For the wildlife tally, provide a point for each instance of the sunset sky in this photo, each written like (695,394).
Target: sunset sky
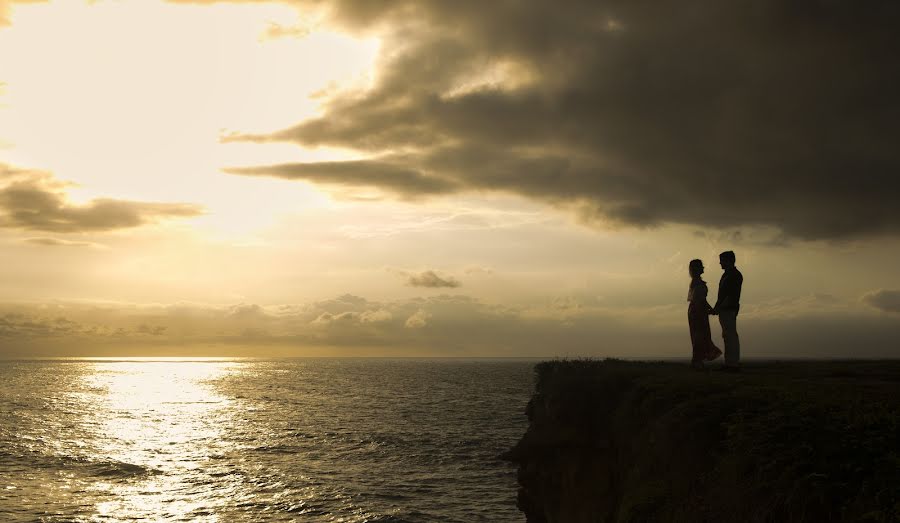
(445,178)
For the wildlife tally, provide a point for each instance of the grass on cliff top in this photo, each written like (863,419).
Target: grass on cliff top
(779,441)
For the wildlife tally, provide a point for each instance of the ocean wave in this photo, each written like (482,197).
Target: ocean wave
(105,468)
(119,469)
(344,445)
(276,449)
(386,519)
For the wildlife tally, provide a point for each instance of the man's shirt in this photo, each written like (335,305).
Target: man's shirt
(730,290)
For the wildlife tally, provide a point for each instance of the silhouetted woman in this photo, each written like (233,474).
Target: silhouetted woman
(698,318)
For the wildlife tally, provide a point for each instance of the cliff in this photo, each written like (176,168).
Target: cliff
(613,441)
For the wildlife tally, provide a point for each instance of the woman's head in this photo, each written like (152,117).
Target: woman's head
(695,268)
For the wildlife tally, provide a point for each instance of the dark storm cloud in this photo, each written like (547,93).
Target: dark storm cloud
(431,280)
(33,200)
(719,114)
(885,300)
(384,174)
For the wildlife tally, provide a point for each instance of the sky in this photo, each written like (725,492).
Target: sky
(433,178)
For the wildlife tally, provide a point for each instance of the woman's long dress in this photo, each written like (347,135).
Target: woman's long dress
(698,321)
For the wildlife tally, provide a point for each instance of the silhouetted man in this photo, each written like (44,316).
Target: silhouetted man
(727,307)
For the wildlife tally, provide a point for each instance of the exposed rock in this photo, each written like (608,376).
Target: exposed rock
(613,441)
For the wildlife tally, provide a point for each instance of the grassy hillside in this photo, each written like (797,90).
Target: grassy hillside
(628,442)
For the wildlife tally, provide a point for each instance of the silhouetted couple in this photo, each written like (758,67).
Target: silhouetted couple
(727,306)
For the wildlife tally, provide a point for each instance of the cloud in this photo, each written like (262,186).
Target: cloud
(434,325)
(345,317)
(431,280)
(884,300)
(477,269)
(21,327)
(35,200)
(56,242)
(387,174)
(720,114)
(376,316)
(418,320)
(5,6)
(785,308)
(276,30)
(245,311)
(351,317)
(151,330)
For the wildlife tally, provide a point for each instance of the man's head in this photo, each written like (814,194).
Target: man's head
(726,259)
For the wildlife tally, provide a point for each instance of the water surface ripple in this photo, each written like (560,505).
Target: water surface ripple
(349,440)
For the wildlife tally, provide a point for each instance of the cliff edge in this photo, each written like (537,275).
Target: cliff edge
(614,441)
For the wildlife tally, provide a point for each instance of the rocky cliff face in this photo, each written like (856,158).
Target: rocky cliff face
(629,442)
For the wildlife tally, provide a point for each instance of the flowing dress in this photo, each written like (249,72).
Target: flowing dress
(698,321)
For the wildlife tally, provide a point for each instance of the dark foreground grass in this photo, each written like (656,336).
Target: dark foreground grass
(780,441)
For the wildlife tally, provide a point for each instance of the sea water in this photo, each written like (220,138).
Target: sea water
(343,440)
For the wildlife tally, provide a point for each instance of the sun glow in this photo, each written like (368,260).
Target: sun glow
(129,99)
(151,417)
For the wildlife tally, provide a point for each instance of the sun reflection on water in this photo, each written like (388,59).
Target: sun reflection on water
(160,422)
(87,440)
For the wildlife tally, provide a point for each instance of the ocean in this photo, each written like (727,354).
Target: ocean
(234,440)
